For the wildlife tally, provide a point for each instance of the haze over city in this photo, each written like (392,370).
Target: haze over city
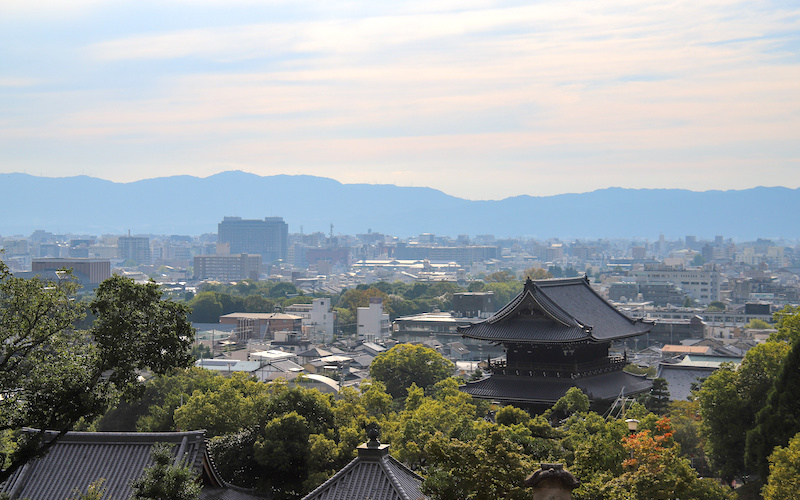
(479,99)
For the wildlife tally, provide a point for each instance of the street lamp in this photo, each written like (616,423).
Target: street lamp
(633,424)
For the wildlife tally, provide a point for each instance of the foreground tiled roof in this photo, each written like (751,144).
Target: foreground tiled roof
(548,390)
(557,310)
(372,475)
(80,458)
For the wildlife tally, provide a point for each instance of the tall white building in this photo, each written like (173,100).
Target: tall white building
(373,323)
(317,319)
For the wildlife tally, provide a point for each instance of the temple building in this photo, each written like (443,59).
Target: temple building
(557,334)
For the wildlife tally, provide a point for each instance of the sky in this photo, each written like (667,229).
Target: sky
(479,99)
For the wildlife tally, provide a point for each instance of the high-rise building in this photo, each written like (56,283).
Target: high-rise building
(135,248)
(268,238)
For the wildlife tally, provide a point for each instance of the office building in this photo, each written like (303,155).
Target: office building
(268,237)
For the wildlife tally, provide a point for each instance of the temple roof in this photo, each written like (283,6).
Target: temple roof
(548,390)
(374,475)
(556,311)
(80,458)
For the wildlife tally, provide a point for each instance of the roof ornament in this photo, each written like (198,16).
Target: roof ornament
(373,432)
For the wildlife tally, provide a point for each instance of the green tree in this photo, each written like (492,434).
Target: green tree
(729,400)
(490,466)
(206,307)
(787,321)
(716,306)
(53,376)
(282,290)
(258,304)
(758,324)
(784,472)
(136,330)
(574,401)
(239,402)
(283,452)
(165,481)
(779,420)
(406,364)
(658,399)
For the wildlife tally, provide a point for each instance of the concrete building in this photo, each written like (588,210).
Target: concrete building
(261,326)
(268,237)
(88,271)
(227,267)
(373,323)
(134,248)
(317,319)
(700,283)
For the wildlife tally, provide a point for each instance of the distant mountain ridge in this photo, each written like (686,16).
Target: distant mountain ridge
(192,205)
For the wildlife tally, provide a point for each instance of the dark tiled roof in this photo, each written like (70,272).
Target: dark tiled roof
(80,458)
(558,310)
(372,475)
(680,379)
(550,389)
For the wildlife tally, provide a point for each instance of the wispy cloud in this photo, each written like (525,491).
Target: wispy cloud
(597,93)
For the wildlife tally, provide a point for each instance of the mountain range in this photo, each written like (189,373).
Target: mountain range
(192,205)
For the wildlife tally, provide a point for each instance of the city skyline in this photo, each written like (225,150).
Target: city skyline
(478,99)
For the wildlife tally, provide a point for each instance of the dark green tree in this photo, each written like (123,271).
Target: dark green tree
(658,399)
(165,481)
(283,452)
(729,400)
(779,420)
(206,307)
(406,364)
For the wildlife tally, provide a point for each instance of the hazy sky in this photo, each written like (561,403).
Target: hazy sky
(480,99)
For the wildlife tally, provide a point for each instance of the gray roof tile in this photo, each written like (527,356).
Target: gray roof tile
(372,475)
(557,310)
(80,458)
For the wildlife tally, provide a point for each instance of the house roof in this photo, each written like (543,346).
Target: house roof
(80,458)
(557,310)
(548,390)
(374,475)
(315,352)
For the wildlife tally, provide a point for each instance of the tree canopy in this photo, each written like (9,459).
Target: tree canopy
(407,364)
(53,376)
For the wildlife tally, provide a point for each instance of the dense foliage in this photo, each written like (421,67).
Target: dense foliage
(407,364)
(749,411)
(53,376)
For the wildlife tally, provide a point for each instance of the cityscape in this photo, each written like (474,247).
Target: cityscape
(418,250)
(317,310)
